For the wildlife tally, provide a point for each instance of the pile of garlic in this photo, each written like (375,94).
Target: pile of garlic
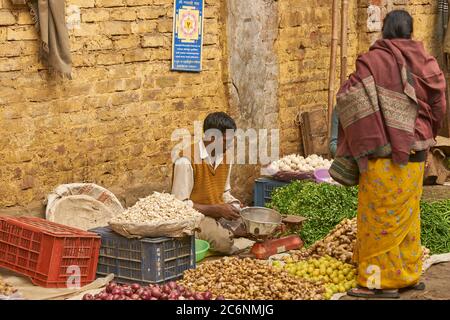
(297,163)
(157,207)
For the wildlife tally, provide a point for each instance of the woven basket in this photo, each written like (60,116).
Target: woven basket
(288,176)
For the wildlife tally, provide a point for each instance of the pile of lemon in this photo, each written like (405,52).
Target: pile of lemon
(337,276)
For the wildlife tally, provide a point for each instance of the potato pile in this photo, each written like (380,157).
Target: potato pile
(157,207)
(297,163)
(5,288)
(338,277)
(250,279)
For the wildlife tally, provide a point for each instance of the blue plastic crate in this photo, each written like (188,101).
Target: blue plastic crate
(262,190)
(146,260)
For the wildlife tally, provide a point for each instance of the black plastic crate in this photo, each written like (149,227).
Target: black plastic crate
(146,260)
(262,190)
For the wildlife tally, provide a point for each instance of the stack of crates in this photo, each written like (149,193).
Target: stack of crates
(146,260)
(262,190)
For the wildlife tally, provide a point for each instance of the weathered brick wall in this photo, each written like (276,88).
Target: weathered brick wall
(304,51)
(304,56)
(112,123)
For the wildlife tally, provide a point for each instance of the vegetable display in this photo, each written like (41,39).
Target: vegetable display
(338,277)
(324,205)
(169,291)
(250,279)
(435,226)
(6,289)
(295,163)
(157,207)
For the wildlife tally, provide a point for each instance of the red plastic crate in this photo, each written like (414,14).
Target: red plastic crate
(47,252)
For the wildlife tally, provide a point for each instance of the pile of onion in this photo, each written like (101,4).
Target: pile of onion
(169,291)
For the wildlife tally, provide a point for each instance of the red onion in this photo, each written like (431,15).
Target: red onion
(145,295)
(135,287)
(128,292)
(116,290)
(103,296)
(172,285)
(207,295)
(155,292)
(110,287)
(135,297)
(140,291)
(109,297)
(181,289)
(173,295)
(191,298)
(88,296)
(220,298)
(166,289)
(164,296)
(198,296)
(153,298)
(187,294)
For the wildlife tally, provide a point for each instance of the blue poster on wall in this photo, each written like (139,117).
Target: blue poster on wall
(187,35)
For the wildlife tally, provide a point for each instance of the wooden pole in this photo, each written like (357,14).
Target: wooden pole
(344,40)
(331,81)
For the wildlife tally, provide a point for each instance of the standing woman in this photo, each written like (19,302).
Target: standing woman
(390,110)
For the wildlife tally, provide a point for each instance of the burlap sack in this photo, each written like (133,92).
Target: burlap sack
(170,228)
(28,291)
(435,169)
(82,205)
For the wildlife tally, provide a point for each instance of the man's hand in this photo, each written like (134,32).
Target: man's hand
(227,211)
(217,211)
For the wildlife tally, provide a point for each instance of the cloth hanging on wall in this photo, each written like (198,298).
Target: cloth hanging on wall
(50,21)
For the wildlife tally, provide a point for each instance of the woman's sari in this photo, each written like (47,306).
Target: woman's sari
(391,107)
(388,251)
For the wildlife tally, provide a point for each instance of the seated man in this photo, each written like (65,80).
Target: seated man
(202,178)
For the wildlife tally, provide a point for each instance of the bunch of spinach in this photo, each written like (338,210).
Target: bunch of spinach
(324,205)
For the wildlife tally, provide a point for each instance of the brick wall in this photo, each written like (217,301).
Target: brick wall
(304,51)
(304,56)
(112,123)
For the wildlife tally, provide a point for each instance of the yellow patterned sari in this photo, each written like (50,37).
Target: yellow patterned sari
(388,250)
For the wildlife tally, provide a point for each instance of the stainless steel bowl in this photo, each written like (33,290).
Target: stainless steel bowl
(260,221)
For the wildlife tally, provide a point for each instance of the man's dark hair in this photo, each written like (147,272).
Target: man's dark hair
(220,121)
(398,24)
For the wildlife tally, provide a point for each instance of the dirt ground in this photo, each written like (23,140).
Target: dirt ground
(433,193)
(437,282)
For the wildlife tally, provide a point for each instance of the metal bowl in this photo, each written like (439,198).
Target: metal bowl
(260,221)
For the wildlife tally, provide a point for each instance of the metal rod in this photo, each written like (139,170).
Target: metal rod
(332,77)
(344,40)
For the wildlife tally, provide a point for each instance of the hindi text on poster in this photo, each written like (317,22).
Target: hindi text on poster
(187,35)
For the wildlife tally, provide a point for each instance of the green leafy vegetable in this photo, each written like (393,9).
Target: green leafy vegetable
(324,205)
(435,220)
